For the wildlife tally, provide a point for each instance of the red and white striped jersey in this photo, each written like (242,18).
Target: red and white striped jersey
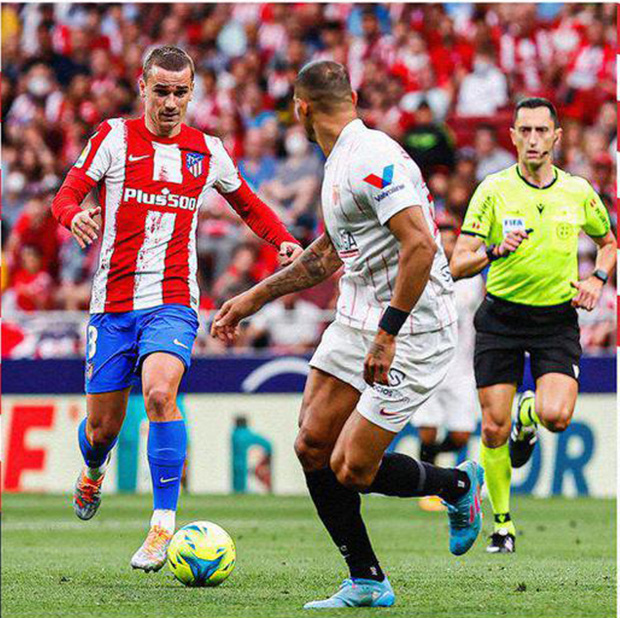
(150,189)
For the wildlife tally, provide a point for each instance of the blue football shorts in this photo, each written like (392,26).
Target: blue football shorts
(118,343)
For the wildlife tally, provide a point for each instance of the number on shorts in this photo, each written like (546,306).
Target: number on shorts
(92,341)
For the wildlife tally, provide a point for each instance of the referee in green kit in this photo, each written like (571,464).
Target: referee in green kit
(529,217)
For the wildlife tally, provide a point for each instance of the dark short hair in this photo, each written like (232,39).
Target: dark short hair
(533,103)
(169,58)
(489,128)
(324,83)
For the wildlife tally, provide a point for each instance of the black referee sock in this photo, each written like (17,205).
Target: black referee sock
(339,510)
(402,476)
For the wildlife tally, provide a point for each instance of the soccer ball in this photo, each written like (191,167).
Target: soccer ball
(201,554)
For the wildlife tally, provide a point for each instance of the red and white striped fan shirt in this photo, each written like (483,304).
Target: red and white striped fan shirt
(150,189)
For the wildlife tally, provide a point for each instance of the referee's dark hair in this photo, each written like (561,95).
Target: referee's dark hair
(533,103)
(324,83)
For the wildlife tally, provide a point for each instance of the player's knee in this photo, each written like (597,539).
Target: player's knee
(312,451)
(459,438)
(159,403)
(555,418)
(495,434)
(352,476)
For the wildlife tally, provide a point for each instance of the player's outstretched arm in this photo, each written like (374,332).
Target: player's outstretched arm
(262,220)
(589,290)
(318,262)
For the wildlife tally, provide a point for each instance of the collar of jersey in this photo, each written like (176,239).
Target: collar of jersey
(529,184)
(349,129)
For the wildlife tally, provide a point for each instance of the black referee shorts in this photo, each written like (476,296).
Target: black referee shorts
(505,331)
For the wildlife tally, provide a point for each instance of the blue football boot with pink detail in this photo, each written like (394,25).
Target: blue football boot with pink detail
(357,592)
(466,513)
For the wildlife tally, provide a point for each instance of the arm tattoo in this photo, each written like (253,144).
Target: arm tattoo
(318,262)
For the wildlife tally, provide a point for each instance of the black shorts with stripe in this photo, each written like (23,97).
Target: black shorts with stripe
(505,331)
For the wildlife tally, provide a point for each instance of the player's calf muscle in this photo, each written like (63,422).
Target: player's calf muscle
(106,412)
(352,476)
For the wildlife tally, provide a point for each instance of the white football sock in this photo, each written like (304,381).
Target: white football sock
(164,518)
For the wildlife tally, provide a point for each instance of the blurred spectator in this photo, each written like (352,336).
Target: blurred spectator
(490,156)
(37,228)
(428,142)
(484,91)
(427,91)
(31,285)
(457,197)
(77,269)
(239,275)
(297,181)
(598,328)
(289,325)
(526,50)
(466,164)
(252,108)
(256,166)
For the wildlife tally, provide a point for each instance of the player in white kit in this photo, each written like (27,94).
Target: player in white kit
(390,345)
(454,406)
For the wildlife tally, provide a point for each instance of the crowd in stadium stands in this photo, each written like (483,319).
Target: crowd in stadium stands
(440,78)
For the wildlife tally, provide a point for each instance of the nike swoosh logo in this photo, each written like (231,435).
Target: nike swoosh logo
(382,412)
(177,342)
(134,158)
(163,480)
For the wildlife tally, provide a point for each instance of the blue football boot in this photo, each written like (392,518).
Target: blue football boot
(357,592)
(466,514)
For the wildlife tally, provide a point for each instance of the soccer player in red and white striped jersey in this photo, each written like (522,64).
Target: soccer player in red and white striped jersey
(151,176)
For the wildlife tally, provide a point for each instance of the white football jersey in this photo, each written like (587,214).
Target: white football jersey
(368,179)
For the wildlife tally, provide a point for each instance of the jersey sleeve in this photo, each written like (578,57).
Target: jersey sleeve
(227,177)
(597,222)
(90,167)
(384,178)
(96,158)
(479,216)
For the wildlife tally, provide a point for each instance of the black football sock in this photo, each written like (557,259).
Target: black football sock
(339,510)
(448,446)
(428,452)
(402,476)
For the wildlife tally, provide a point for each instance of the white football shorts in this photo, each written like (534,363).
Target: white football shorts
(420,364)
(454,405)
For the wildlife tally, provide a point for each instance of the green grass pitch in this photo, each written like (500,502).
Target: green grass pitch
(55,565)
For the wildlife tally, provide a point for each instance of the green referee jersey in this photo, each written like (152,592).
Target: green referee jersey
(539,272)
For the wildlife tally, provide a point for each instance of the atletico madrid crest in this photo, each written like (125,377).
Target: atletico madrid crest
(193,162)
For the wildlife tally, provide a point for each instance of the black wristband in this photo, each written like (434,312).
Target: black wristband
(392,320)
(490,255)
(601,275)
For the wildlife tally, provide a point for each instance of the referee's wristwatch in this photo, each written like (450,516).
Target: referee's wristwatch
(599,273)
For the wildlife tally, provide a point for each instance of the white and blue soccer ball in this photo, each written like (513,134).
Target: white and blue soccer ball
(201,554)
